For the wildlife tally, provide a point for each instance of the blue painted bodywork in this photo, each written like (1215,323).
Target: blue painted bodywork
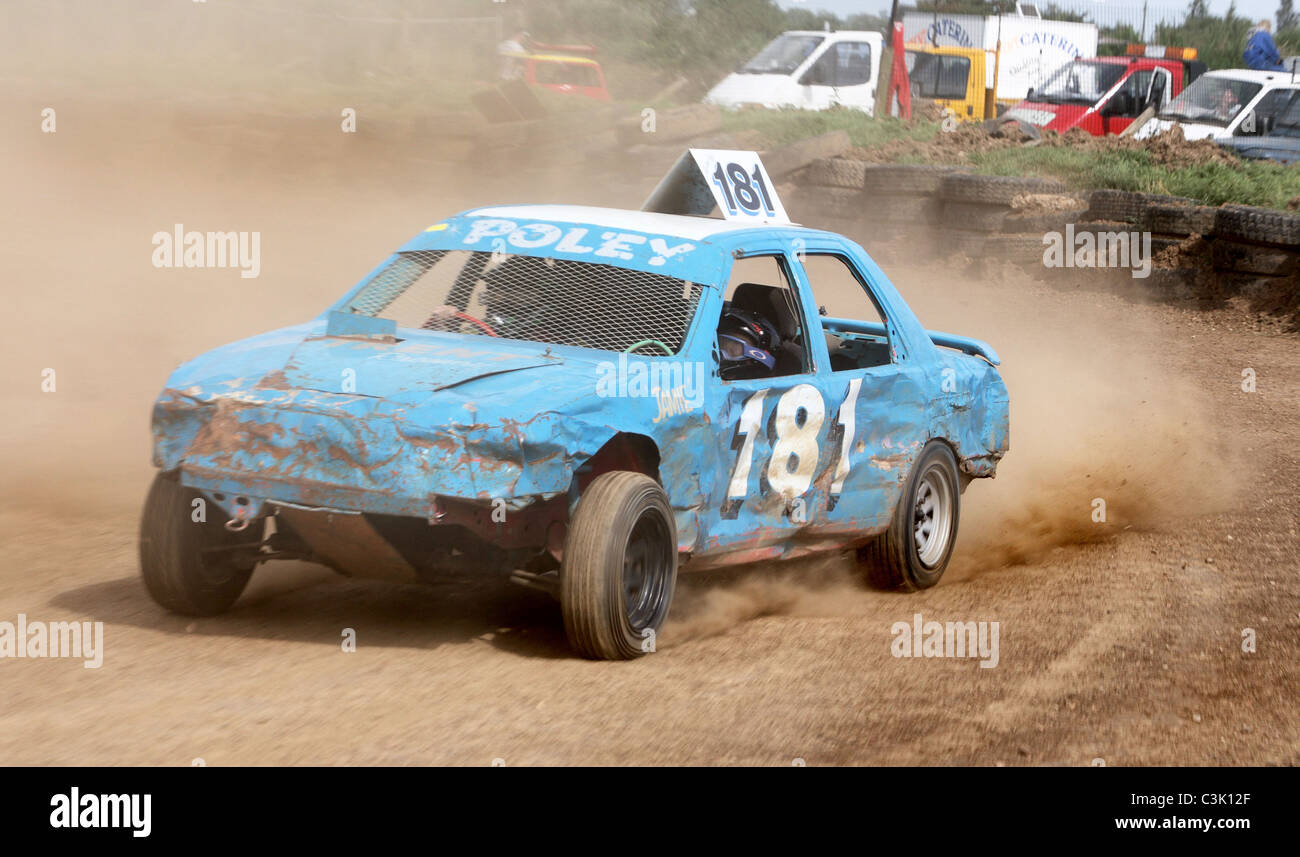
(351,413)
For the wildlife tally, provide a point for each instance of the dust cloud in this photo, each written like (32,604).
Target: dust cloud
(128,119)
(162,135)
(1099,412)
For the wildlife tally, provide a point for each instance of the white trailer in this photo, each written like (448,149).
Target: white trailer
(1032,48)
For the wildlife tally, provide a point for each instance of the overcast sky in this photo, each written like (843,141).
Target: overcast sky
(1255,9)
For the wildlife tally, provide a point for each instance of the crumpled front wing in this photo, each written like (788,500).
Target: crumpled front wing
(354,453)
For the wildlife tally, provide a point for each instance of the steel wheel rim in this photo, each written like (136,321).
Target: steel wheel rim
(647,565)
(932,517)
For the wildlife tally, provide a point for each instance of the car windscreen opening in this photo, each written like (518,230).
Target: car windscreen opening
(532,298)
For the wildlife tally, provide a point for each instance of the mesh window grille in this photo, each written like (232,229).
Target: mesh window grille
(554,301)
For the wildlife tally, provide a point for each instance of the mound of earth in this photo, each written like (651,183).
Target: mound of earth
(1170,149)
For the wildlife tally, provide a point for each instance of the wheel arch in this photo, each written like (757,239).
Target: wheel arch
(624,451)
(964,470)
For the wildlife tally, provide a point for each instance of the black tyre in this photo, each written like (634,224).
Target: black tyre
(837,172)
(1128,206)
(1041,221)
(888,208)
(620,567)
(1257,225)
(974,216)
(913,553)
(1098,227)
(813,203)
(1117,206)
(994,190)
(186,565)
(904,179)
(1252,259)
(1016,248)
(1180,219)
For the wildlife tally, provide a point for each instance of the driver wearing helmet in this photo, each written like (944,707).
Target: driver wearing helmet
(746,341)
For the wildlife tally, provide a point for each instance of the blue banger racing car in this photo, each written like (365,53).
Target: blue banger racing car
(586,399)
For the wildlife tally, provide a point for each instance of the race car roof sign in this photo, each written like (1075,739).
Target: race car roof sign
(733,181)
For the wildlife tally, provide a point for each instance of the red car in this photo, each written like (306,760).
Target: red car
(1102,95)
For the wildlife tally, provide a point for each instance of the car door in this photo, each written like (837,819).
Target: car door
(1126,102)
(946,79)
(853,84)
(771,425)
(876,405)
(842,75)
(814,83)
(1161,86)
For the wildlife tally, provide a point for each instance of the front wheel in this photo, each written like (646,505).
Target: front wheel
(914,551)
(193,567)
(620,567)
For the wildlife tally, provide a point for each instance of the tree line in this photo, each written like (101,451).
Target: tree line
(703,39)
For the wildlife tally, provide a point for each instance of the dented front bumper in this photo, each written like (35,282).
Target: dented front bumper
(351,452)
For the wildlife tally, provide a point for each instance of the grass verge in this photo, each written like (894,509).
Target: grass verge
(1247,182)
(1244,181)
(780,127)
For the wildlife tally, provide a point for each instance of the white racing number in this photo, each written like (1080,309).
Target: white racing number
(845,425)
(751,416)
(794,447)
(793,431)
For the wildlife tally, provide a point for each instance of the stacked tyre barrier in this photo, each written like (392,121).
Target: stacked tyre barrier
(1111,211)
(1256,241)
(1172,222)
(882,205)
(893,209)
(986,217)
(1238,239)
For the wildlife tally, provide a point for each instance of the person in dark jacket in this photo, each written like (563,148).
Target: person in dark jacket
(1261,53)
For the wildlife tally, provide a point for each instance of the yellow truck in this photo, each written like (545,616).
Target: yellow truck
(962,80)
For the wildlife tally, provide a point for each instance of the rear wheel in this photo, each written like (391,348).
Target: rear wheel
(196,568)
(913,553)
(620,567)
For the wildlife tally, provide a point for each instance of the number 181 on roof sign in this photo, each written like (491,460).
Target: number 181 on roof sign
(740,185)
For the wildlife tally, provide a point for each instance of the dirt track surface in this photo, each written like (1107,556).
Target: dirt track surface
(1118,641)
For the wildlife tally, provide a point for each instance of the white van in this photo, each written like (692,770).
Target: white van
(807,69)
(1232,102)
